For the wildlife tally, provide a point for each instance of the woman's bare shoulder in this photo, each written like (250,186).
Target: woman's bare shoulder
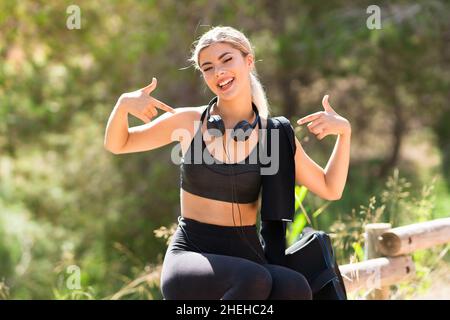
(192,113)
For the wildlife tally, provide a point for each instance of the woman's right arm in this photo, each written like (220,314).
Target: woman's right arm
(151,135)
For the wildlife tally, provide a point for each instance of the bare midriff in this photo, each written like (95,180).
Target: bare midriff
(217,212)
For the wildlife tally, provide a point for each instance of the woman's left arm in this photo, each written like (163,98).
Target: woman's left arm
(327,183)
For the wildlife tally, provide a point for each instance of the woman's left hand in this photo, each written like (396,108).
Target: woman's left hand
(326,122)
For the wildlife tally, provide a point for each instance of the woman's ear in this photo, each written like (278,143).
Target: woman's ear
(250,61)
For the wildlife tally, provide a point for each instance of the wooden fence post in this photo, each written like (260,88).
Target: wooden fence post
(392,270)
(407,239)
(372,251)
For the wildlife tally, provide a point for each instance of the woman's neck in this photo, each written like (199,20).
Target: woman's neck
(233,111)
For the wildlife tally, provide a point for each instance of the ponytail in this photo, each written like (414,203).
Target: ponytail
(259,95)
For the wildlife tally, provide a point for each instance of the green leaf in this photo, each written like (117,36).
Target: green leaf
(358,250)
(320,210)
(296,228)
(300,194)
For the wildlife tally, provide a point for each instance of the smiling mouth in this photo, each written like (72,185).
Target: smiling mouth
(226,86)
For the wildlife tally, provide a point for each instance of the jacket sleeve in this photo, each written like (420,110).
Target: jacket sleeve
(273,240)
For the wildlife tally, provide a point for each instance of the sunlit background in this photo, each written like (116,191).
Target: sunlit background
(68,207)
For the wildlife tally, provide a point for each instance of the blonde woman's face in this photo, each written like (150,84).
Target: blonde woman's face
(220,63)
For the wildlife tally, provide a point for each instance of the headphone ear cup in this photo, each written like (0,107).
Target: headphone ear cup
(215,126)
(242,131)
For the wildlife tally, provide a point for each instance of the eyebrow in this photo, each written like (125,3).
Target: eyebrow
(219,59)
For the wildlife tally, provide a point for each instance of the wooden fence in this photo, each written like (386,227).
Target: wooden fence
(387,259)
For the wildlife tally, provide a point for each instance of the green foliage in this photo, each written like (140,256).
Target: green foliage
(65,201)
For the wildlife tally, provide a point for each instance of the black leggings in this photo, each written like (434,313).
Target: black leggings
(206,261)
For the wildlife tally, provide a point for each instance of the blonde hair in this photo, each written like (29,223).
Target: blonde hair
(239,41)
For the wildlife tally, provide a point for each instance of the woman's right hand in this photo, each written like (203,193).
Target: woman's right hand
(141,105)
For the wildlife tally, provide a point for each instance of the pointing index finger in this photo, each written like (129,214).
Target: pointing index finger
(310,117)
(161,105)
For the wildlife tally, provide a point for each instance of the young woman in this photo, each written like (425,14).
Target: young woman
(215,252)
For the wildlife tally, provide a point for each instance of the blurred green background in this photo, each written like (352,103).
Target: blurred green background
(65,200)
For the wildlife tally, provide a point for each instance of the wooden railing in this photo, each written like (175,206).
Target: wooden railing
(387,259)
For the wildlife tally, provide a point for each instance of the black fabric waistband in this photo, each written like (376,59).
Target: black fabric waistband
(214,230)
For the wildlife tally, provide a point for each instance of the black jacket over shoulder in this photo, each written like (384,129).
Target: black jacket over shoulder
(278,190)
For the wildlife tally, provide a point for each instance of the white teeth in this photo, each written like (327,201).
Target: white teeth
(225,82)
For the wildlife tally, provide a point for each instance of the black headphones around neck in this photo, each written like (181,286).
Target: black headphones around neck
(241,131)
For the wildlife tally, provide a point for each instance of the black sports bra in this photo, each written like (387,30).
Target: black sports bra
(210,178)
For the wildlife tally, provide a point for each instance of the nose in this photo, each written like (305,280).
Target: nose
(219,72)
